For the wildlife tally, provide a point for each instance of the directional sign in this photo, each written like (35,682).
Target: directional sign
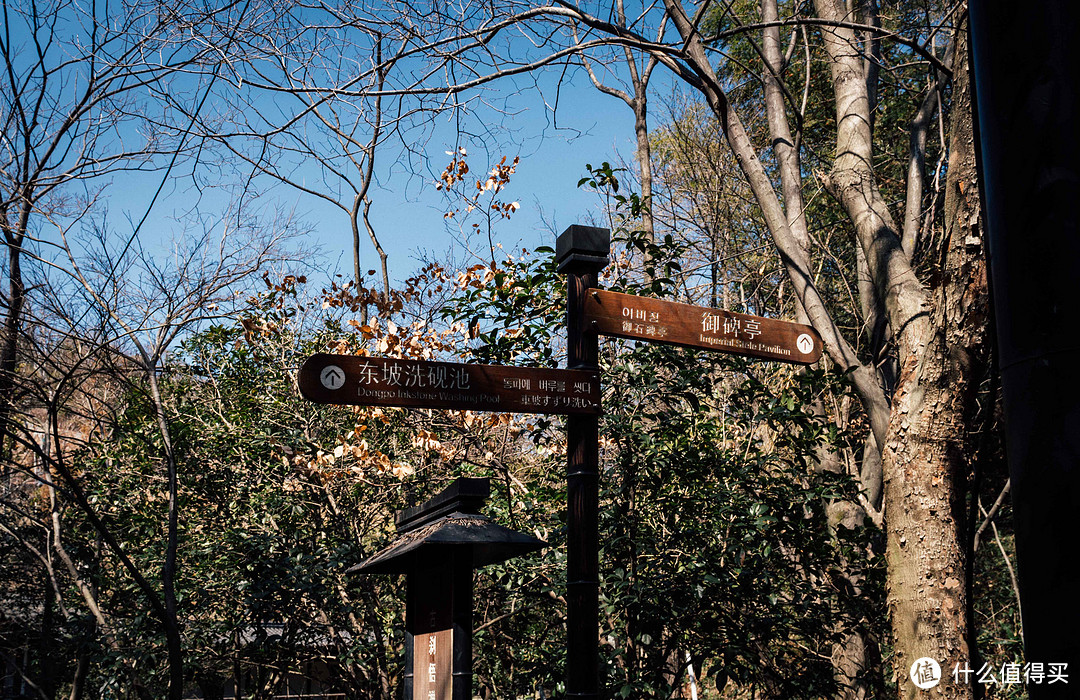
(380,381)
(643,318)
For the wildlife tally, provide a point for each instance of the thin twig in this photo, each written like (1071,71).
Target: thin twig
(990,516)
(1008,564)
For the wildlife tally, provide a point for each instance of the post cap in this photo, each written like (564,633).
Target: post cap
(583,245)
(451,520)
(463,495)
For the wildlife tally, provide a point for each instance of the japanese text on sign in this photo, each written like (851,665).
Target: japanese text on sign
(382,381)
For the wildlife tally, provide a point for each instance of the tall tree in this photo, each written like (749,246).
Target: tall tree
(74,112)
(86,101)
(102,326)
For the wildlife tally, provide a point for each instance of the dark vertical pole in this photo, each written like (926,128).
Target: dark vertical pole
(581,252)
(1027,103)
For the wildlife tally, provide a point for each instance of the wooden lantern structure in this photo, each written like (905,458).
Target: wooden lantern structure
(439,544)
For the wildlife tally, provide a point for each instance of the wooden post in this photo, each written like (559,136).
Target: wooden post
(440,542)
(432,634)
(581,252)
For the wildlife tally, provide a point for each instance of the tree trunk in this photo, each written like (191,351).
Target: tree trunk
(941,353)
(82,668)
(47,661)
(850,652)
(9,345)
(170,620)
(644,158)
(961,347)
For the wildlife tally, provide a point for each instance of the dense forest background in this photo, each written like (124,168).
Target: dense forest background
(176,521)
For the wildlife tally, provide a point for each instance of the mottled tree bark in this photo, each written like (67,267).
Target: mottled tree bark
(850,652)
(940,333)
(927,463)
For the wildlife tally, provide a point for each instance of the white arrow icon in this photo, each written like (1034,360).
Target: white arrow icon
(805,344)
(332,377)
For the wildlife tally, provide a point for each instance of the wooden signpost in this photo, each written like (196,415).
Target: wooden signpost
(655,320)
(382,381)
(581,252)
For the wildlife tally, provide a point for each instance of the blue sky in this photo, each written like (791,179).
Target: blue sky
(407,210)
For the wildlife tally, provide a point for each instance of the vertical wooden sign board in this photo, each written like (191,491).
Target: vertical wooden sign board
(431,627)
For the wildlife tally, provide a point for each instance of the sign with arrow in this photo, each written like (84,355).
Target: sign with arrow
(581,252)
(654,320)
(382,381)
